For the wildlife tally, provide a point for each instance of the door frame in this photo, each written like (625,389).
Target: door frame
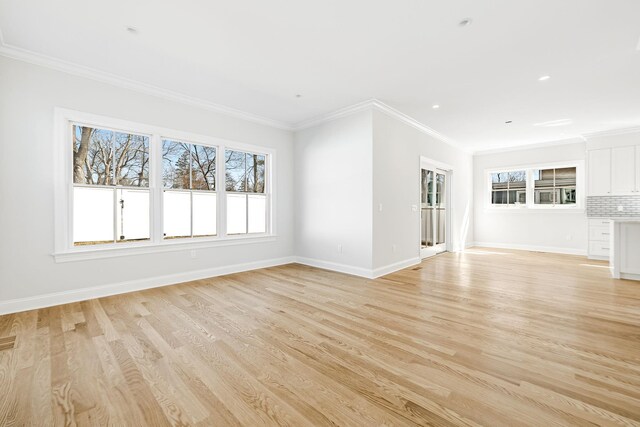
(427,163)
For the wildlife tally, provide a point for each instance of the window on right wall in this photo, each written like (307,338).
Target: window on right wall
(554,186)
(535,187)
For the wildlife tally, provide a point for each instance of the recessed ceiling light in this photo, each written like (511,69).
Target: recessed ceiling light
(465,22)
(435,106)
(132,30)
(543,78)
(509,121)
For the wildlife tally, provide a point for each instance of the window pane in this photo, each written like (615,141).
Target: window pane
(499,197)
(92,155)
(499,177)
(132,215)
(555,186)
(509,187)
(92,215)
(517,187)
(499,181)
(255,173)
(567,196)
(543,178)
(177,214)
(440,189)
(257,213)
(175,164)
(423,192)
(517,179)
(204,214)
(131,163)
(544,196)
(204,168)
(236,213)
(566,184)
(235,164)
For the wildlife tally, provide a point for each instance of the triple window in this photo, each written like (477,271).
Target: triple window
(535,187)
(133,187)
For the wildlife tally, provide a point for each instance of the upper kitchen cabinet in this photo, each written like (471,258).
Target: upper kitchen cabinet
(599,172)
(613,164)
(623,170)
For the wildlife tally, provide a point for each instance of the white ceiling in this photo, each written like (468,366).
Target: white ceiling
(256,55)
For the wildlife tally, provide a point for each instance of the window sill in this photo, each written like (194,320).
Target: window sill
(124,249)
(537,209)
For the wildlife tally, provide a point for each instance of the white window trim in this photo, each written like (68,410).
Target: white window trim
(530,206)
(65,251)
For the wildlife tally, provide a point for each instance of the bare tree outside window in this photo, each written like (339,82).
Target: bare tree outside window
(105,157)
(246,201)
(189,179)
(111,181)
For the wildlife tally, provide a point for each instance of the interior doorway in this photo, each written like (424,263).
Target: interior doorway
(434,215)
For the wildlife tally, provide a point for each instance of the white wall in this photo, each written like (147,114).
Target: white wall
(396,185)
(333,170)
(28,96)
(553,231)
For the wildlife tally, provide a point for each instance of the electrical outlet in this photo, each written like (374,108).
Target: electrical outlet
(620,208)
(414,208)
(394,248)
(193,254)
(380,207)
(340,248)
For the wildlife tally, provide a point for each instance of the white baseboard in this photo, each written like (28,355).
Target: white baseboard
(334,266)
(57,298)
(358,271)
(550,249)
(388,269)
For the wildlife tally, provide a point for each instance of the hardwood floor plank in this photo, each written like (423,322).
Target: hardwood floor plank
(484,337)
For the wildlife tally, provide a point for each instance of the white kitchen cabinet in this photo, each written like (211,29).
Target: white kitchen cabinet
(623,170)
(599,238)
(599,172)
(637,169)
(625,254)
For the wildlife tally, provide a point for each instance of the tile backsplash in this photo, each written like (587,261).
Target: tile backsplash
(607,206)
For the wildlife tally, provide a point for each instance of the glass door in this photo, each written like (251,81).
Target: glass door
(433,212)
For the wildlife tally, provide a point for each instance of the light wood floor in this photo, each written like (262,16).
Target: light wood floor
(486,337)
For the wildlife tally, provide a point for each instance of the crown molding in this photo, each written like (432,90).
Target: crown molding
(611,132)
(399,115)
(334,115)
(553,143)
(123,82)
(376,104)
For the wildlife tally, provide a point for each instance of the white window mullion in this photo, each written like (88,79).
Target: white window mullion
(530,188)
(222,192)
